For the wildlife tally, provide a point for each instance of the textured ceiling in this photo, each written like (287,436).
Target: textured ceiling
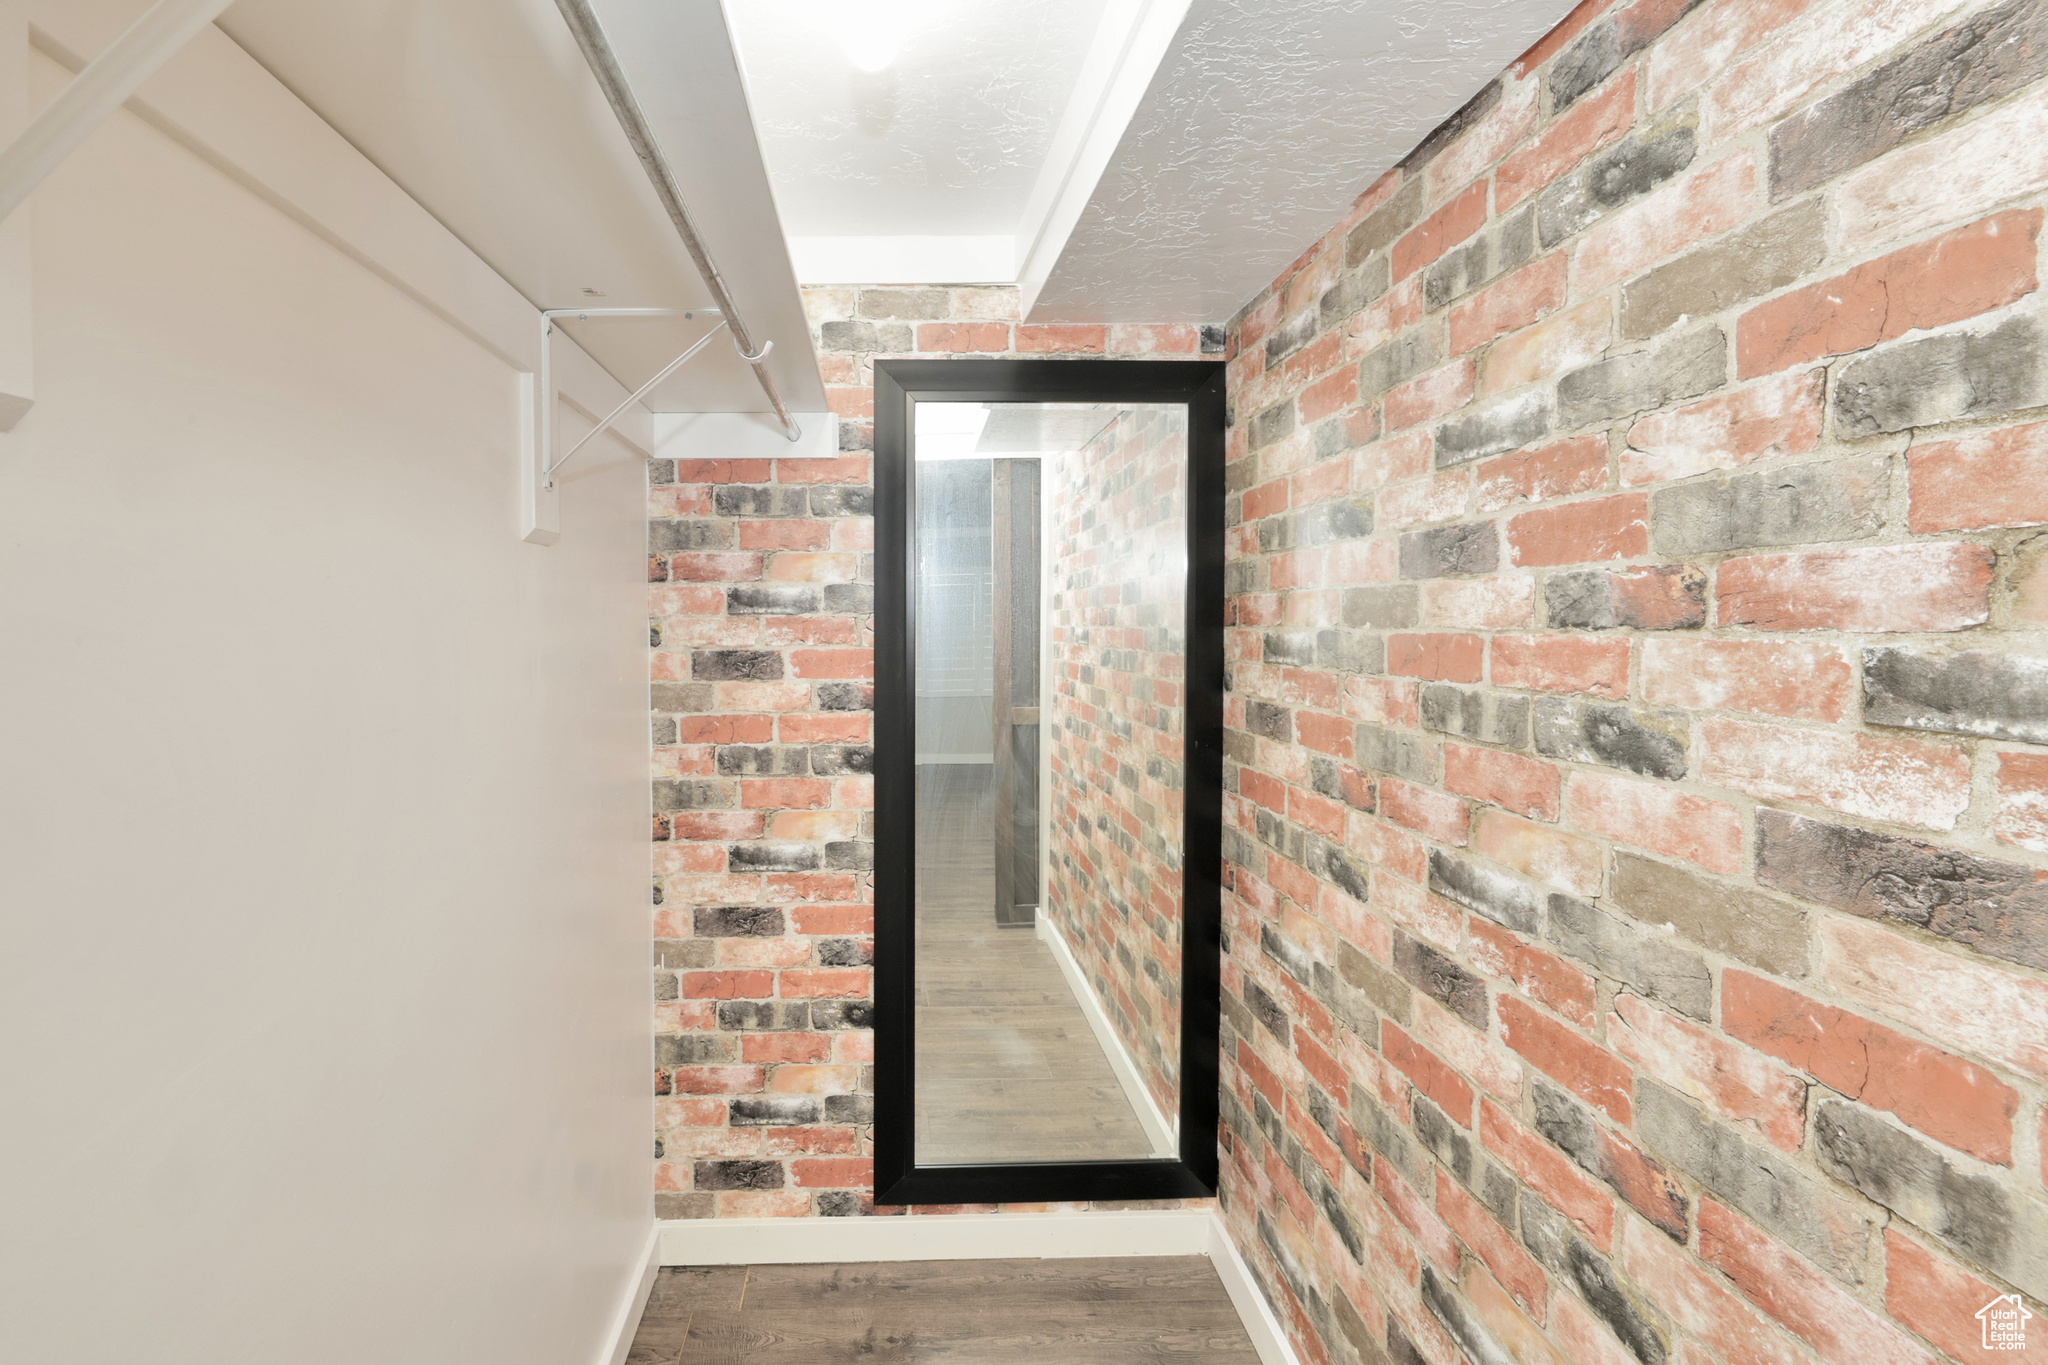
(949,139)
(1263,124)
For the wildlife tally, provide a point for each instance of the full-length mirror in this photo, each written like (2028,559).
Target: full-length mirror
(1049,699)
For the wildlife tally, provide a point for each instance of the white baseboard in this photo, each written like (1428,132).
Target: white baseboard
(626,1321)
(1156,1125)
(979,1237)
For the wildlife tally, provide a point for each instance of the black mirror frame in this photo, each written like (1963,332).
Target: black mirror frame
(1199,384)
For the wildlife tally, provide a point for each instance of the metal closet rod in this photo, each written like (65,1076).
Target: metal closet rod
(597,51)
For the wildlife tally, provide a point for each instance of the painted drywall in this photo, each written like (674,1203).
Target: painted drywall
(323,1006)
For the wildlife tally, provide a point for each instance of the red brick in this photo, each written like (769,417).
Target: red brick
(1325,734)
(1958,275)
(963,336)
(1751,1092)
(1173,338)
(1267,499)
(1810,1305)
(1938,1299)
(1558,470)
(785,793)
(1317,813)
(785,533)
(811,1142)
(1765,677)
(1582,532)
(1696,1300)
(825,982)
(2021,817)
(1772,420)
(725,729)
(1480,604)
(1542,976)
(1526,786)
(837,1173)
(832,663)
(1928,587)
(1561,342)
(785,1047)
(1985,479)
(724,471)
(1442,818)
(1422,1223)
(1575,1062)
(1596,120)
(1428,397)
(1550,1173)
(1562,663)
(1442,230)
(1429,1073)
(1661,224)
(832,919)
(1549,855)
(1062,337)
(1553,42)
(722,825)
(1942,1095)
(1510,304)
(715,567)
(826,729)
(720,1080)
(1332,393)
(1440,497)
(1653,817)
(728,985)
(1903,781)
(1492,1244)
(1444,658)
(1269,792)
(1963,1001)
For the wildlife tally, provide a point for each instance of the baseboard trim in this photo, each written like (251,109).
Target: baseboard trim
(974,1236)
(626,1321)
(1121,1063)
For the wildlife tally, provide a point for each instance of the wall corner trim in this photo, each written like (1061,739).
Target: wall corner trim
(974,1236)
(626,1322)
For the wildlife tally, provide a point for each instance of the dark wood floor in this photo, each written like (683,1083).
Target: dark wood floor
(1130,1311)
(1007,1067)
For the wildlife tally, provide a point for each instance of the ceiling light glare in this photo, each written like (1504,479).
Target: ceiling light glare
(872,49)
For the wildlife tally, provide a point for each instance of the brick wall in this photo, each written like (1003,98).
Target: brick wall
(1117,558)
(762,600)
(1638,812)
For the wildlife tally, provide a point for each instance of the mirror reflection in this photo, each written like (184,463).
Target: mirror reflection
(1050,662)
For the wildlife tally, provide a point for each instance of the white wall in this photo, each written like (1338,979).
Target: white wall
(323,867)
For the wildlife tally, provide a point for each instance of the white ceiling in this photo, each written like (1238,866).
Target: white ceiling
(1260,128)
(485,113)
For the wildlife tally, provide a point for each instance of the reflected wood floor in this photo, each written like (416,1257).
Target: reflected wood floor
(1073,1312)
(1007,1067)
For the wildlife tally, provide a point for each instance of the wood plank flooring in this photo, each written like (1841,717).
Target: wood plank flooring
(1007,1067)
(1126,1311)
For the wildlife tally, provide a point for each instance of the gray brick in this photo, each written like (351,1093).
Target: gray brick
(1491,717)
(737,921)
(842,760)
(1943,379)
(850,855)
(1518,237)
(690,1049)
(1443,1137)
(1458,272)
(1762,257)
(1585,63)
(760,760)
(1353,291)
(1388,993)
(764,1016)
(1603,1293)
(778,857)
(681,698)
(1610,178)
(687,794)
(1393,362)
(1992,906)
(1436,975)
(1655,597)
(846,696)
(1831,1231)
(735,665)
(1266,1010)
(1974,1213)
(762,500)
(1975,692)
(1333,521)
(1650,743)
(1790,505)
(677,1204)
(1265,718)
(1762,930)
(1442,551)
(831,1015)
(1378,229)
(1466,1329)
(1350,651)
(861,337)
(843,500)
(1990,54)
(1684,366)
(850,599)
(1452,128)
(1505,900)
(850,1108)
(1648,964)
(1394,751)
(846,952)
(1386,607)
(920,305)
(1295,648)
(667,536)
(675,953)
(764,1111)
(1494,428)
(1272,425)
